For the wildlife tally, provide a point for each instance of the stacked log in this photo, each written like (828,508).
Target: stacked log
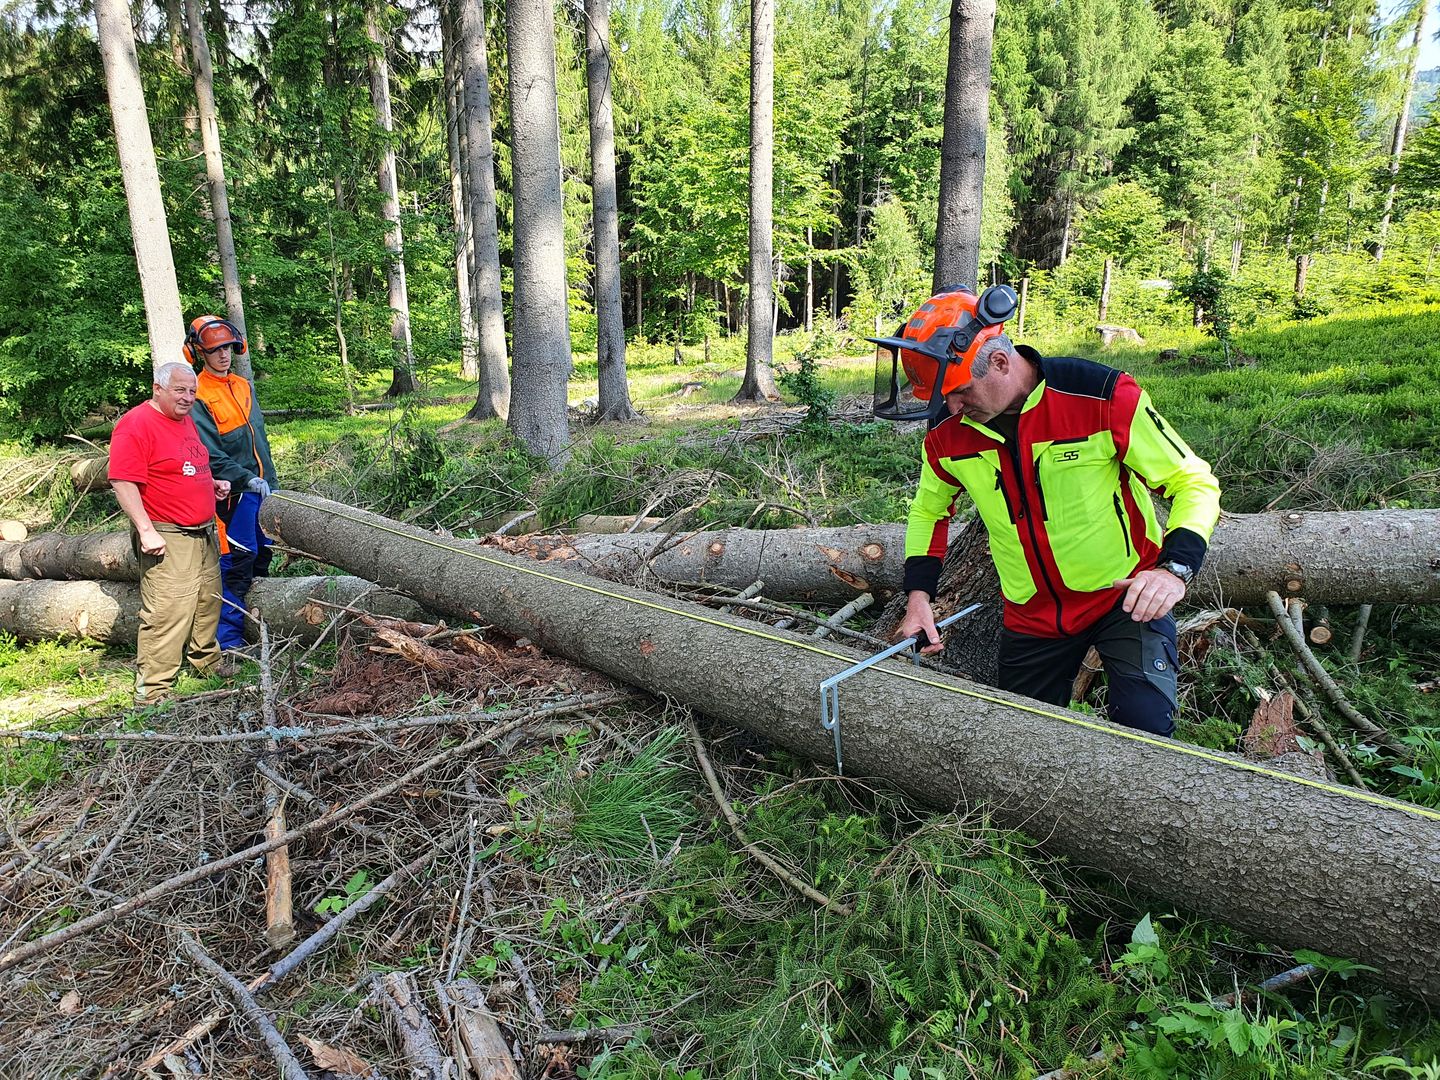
(108,612)
(1350,557)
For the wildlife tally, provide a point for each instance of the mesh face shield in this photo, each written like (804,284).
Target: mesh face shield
(932,352)
(902,390)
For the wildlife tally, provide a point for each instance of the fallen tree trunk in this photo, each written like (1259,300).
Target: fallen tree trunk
(823,565)
(1293,861)
(91,474)
(1349,557)
(63,557)
(1344,557)
(109,611)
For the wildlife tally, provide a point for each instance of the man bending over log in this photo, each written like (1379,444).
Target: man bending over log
(1059,455)
(233,430)
(160,471)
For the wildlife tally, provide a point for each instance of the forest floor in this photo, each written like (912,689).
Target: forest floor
(522,839)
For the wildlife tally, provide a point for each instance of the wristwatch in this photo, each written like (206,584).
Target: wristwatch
(1179,569)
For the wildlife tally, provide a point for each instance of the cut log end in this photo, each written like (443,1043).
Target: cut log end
(13,531)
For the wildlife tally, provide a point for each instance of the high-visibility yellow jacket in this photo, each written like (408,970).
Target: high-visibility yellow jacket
(1067,500)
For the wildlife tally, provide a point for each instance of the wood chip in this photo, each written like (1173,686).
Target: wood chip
(338,1059)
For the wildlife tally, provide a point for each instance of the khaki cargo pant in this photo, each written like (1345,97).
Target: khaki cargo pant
(179,609)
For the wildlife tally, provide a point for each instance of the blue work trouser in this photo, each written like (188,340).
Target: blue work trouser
(248,557)
(1140,661)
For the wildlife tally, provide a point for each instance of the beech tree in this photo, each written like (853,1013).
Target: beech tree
(610,331)
(759,382)
(542,317)
(454,91)
(403,379)
(492,397)
(149,227)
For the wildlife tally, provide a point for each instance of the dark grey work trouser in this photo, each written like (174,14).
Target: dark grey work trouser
(1140,661)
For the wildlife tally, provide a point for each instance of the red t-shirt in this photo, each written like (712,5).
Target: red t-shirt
(168,461)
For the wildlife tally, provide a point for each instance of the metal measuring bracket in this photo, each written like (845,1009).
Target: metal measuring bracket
(830,688)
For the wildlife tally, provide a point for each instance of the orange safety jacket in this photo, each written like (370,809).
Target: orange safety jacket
(1067,501)
(233,429)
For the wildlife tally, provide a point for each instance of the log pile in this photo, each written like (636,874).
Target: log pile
(1353,557)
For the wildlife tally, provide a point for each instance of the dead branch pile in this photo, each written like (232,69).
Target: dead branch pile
(140,894)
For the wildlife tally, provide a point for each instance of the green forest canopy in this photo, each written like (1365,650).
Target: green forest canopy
(1214,147)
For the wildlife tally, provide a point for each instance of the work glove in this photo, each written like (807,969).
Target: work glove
(258,485)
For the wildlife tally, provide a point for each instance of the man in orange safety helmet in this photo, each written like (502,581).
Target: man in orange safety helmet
(1059,456)
(233,429)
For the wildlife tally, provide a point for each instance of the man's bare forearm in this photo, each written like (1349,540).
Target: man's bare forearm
(127,494)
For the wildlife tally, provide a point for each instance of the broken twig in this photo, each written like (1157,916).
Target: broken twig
(803,888)
(290,1067)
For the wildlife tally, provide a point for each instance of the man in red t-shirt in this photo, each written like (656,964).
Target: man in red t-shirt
(160,471)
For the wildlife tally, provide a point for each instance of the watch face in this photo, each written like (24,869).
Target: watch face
(1180,570)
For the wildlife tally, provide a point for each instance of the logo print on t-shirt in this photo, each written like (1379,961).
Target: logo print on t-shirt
(188,469)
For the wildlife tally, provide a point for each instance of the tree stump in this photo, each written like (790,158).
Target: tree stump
(967,577)
(1109,335)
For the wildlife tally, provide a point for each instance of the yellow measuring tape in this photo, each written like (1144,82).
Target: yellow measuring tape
(807,646)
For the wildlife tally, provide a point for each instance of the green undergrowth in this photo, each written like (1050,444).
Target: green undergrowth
(967,954)
(1393,683)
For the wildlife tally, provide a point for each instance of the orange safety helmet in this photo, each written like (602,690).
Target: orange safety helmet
(937,346)
(208,333)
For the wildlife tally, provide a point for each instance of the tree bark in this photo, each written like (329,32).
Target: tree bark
(403,379)
(830,566)
(759,382)
(1331,557)
(610,336)
(1291,862)
(492,396)
(454,90)
(962,148)
(109,611)
(215,179)
(149,229)
(542,315)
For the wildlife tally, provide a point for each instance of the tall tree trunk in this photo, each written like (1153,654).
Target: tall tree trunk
(759,382)
(1402,122)
(1353,875)
(1105,272)
(492,397)
(403,378)
(1065,231)
(610,334)
(809,279)
(542,316)
(1302,275)
(175,18)
(450,70)
(215,178)
(149,229)
(835,244)
(962,149)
